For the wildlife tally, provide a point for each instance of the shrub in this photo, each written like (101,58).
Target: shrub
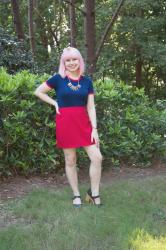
(14,55)
(27,126)
(131,128)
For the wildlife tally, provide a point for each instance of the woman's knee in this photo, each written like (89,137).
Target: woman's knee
(70,160)
(97,158)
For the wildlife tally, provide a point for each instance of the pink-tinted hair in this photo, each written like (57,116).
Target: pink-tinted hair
(68,53)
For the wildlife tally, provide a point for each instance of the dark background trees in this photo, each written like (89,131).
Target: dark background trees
(119,39)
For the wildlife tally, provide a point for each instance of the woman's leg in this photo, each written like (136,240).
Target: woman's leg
(71,171)
(95,169)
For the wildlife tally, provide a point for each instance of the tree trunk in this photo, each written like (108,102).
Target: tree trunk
(138,70)
(41,29)
(90,35)
(17,19)
(31,28)
(139,62)
(90,43)
(72,22)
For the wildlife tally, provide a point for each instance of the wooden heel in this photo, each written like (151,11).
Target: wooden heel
(91,199)
(88,198)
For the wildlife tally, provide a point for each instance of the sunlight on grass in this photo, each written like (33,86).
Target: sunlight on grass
(144,241)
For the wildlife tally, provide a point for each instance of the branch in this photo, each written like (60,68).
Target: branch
(49,29)
(108,29)
(56,31)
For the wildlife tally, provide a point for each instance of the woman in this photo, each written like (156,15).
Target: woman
(75,120)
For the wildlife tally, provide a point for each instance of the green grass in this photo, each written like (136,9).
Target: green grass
(133,217)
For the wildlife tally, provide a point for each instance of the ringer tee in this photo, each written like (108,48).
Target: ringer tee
(66,97)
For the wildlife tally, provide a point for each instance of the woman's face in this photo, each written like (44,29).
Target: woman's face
(72,64)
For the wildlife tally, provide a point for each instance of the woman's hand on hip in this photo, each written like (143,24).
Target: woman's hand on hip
(94,136)
(57,108)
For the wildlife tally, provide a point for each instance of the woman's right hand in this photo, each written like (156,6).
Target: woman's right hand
(57,108)
(41,92)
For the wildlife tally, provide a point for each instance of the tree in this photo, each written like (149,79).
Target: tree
(31,28)
(93,53)
(72,23)
(138,49)
(90,32)
(17,19)
(120,39)
(41,37)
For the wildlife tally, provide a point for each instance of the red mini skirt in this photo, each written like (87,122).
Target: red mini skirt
(73,128)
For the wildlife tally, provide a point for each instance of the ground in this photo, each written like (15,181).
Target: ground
(19,186)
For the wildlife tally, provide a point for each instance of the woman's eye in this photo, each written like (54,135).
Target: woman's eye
(71,60)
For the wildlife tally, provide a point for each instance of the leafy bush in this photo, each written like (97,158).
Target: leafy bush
(27,126)
(14,56)
(131,128)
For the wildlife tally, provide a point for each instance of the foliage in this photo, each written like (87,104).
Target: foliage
(14,57)
(27,142)
(137,36)
(131,128)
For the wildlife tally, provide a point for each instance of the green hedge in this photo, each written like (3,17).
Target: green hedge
(131,128)
(27,135)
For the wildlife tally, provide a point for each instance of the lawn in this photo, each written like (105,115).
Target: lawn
(133,217)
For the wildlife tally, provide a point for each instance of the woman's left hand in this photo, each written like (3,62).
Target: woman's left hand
(94,136)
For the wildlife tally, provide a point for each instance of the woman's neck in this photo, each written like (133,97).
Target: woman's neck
(73,75)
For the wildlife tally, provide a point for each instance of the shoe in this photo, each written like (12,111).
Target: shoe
(91,199)
(77,205)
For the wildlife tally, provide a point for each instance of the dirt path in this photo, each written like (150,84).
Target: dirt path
(19,186)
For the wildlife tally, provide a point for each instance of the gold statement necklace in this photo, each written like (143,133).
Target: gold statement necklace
(71,86)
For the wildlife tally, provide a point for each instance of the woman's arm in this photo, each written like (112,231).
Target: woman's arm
(91,110)
(92,116)
(41,93)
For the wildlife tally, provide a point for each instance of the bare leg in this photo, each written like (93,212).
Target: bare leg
(95,169)
(71,171)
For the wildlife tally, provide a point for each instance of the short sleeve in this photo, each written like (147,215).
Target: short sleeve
(90,87)
(52,81)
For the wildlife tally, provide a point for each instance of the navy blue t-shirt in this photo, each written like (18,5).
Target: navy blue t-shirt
(66,97)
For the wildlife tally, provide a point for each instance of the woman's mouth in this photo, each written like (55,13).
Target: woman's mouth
(72,67)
